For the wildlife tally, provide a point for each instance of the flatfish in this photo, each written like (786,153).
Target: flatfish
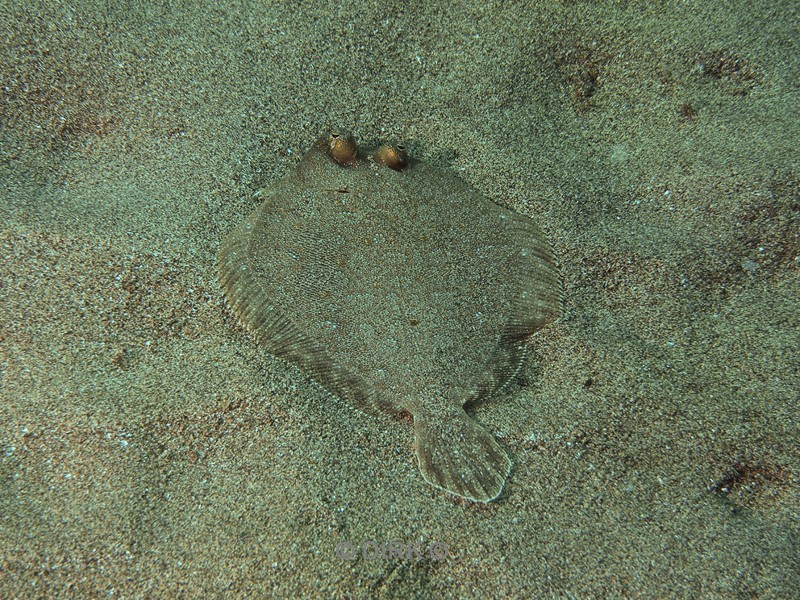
(398,288)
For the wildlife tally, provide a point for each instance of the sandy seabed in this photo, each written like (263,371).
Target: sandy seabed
(149,448)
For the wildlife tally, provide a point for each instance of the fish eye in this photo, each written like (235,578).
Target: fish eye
(394,157)
(342,148)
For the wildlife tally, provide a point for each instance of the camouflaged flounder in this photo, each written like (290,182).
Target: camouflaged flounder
(397,287)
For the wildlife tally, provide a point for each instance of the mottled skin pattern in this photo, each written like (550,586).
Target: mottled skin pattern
(397,287)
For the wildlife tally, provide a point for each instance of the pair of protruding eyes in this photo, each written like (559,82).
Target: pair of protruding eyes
(343,150)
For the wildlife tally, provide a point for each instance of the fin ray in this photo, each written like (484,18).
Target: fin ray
(459,456)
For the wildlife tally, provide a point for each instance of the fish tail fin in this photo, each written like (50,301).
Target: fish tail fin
(459,456)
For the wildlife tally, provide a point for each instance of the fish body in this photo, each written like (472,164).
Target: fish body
(397,290)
